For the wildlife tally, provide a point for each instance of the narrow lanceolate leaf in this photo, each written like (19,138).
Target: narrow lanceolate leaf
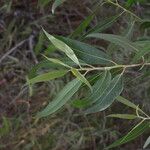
(127,103)
(134,133)
(147,142)
(80,77)
(81,28)
(123,116)
(115,39)
(63,47)
(56,4)
(106,23)
(42,65)
(48,76)
(57,61)
(63,96)
(129,30)
(107,97)
(100,86)
(87,53)
(40,43)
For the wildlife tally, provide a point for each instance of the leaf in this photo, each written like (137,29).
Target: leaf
(103,25)
(56,4)
(106,98)
(144,47)
(123,116)
(100,86)
(129,30)
(81,28)
(48,65)
(134,133)
(77,74)
(62,97)
(129,3)
(48,76)
(39,45)
(147,142)
(43,64)
(80,103)
(63,47)
(57,61)
(51,48)
(127,103)
(116,39)
(87,53)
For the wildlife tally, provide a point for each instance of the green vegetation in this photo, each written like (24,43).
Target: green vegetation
(71,83)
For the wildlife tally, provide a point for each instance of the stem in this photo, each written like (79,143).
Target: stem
(113,67)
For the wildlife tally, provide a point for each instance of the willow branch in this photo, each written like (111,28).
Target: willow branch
(113,67)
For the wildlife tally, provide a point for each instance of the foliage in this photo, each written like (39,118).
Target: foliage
(90,71)
(88,60)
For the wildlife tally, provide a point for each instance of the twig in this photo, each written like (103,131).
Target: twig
(113,67)
(12,49)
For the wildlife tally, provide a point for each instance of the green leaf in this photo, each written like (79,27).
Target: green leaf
(115,39)
(62,97)
(81,28)
(123,116)
(56,4)
(50,49)
(57,61)
(63,47)
(127,103)
(100,86)
(103,25)
(107,97)
(129,30)
(134,133)
(144,47)
(87,53)
(80,103)
(42,65)
(39,45)
(48,76)
(147,142)
(77,74)
(129,3)
(48,65)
